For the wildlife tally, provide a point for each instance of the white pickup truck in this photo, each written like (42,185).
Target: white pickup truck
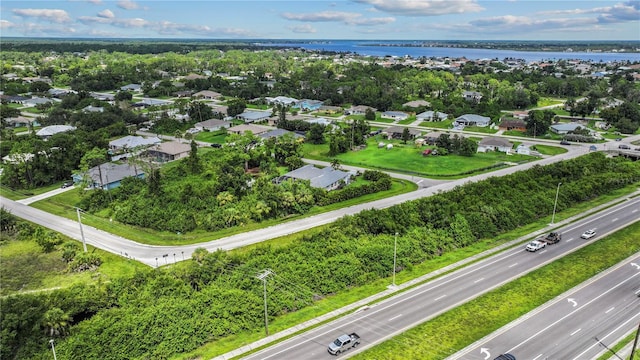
(343,343)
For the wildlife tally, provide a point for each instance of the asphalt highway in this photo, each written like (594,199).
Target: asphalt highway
(399,313)
(580,324)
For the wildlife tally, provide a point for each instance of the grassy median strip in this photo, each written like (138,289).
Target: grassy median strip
(457,328)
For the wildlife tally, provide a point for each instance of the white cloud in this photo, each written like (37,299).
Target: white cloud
(621,12)
(127,4)
(5,24)
(51,15)
(423,7)
(107,14)
(348,18)
(33,29)
(302,29)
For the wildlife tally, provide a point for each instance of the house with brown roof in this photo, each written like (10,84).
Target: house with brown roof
(513,124)
(254,129)
(207,94)
(169,151)
(395,132)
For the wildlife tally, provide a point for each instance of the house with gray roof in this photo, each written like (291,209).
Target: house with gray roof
(359,110)
(326,178)
(278,133)
(92,108)
(132,142)
(395,115)
(51,130)
(472,96)
(492,143)
(432,116)
(207,94)
(565,128)
(212,125)
(254,116)
(472,120)
(416,103)
(108,176)
(254,129)
(395,132)
(132,87)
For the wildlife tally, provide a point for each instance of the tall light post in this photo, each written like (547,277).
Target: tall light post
(395,251)
(263,276)
(555,204)
(53,348)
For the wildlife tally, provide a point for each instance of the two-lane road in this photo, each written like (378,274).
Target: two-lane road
(408,309)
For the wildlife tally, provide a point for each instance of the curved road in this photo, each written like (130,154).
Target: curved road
(160,255)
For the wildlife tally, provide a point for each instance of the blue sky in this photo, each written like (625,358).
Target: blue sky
(341,19)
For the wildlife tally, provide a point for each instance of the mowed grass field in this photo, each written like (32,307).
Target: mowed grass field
(408,158)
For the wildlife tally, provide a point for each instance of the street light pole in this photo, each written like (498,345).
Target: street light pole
(395,251)
(53,348)
(555,204)
(263,276)
(84,243)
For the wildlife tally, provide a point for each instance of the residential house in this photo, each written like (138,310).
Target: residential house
(432,137)
(212,125)
(254,129)
(36,101)
(183,93)
(359,110)
(513,124)
(193,76)
(565,128)
(331,109)
(102,96)
(472,120)
(282,100)
(21,121)
(473,96)
(254,116)
(108,176)
(320,120)
(326,178)
(131,142)
(395,115)
(207,95)
(416,104)
(219,109)
(309,105)
(169,151)
(278,133)
(491,143)
(92,108)
(14,99)
(523,149)
(432,116)
(48,131)
(151,102)
(132,87)
(395,132)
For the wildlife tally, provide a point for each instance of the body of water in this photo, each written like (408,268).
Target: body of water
(374,49)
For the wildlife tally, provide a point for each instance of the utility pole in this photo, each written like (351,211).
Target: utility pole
(635,343)
(263,276)
(53,348)
(84,242)
(555,204)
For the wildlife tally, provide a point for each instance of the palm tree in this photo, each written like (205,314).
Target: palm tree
(55,322)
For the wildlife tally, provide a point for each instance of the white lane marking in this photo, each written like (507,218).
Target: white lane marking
(440,298)
(614,219)
(575,332)
(608,311)
(395,317)
(536,358)
(512,265)
(570,239)
(543,251)
(477,281)
(634,211)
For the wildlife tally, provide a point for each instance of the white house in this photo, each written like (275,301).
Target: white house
(490,143)
(472,120)
(395,115)
(432,116)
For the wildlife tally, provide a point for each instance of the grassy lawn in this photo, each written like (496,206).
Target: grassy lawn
(32,110)
(444,124)
(457,328)
(547,102)
(514,133)
(479,129)
(63,205)
(354,294)
(407,158)
(21,194)
(408,120)
(211,137)
(550,150)
(258,107)
(26,268)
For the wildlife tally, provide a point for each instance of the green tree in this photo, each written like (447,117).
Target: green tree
(406,135)
(55,322)
(236,107)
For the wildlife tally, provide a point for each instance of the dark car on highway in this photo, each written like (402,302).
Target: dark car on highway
(66,184)
(505,357)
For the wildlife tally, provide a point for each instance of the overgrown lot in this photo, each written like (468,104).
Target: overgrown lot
(215,298)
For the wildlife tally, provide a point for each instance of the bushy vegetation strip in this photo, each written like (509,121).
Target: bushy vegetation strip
(455,329)
(163,312)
